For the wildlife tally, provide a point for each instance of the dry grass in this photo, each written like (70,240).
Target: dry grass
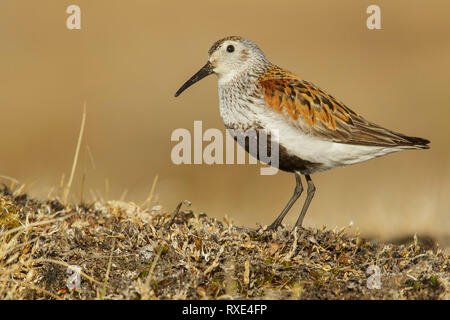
(127,252)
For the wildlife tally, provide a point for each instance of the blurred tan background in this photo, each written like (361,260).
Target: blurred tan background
(131,56)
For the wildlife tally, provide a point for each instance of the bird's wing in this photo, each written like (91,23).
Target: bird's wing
(322,115)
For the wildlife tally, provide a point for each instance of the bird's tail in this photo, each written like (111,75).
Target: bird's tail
(416,142)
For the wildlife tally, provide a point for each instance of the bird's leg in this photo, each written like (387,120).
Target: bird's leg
(297,192)
(310,194)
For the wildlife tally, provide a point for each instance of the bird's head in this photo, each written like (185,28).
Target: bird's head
(228,57)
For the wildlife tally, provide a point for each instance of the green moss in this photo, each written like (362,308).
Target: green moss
(417,285)
(9,215)
(143,274)
(162,250)
(269,260)
(287,265)
(434,281)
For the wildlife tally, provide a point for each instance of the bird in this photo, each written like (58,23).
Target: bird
(315,131)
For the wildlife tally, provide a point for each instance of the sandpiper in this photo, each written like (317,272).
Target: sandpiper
(316,132)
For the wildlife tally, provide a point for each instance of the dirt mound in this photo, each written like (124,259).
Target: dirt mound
(121,251)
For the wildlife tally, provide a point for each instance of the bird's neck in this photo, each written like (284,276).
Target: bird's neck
(240,98)
(247,74)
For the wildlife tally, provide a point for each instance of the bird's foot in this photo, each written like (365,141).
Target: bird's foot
(273,227)
(298,229)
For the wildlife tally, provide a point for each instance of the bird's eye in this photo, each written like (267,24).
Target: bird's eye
(230,48)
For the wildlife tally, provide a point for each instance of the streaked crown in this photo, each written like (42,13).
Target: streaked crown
(233,55)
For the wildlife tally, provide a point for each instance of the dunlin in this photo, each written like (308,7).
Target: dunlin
(316,132)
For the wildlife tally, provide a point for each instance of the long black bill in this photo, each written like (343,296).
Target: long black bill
(206,70)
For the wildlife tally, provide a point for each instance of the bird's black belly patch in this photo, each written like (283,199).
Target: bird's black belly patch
(287,162)
(291,163)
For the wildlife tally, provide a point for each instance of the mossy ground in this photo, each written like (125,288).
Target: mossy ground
(127,252)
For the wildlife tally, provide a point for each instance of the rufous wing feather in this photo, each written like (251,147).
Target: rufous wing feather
(322,115)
